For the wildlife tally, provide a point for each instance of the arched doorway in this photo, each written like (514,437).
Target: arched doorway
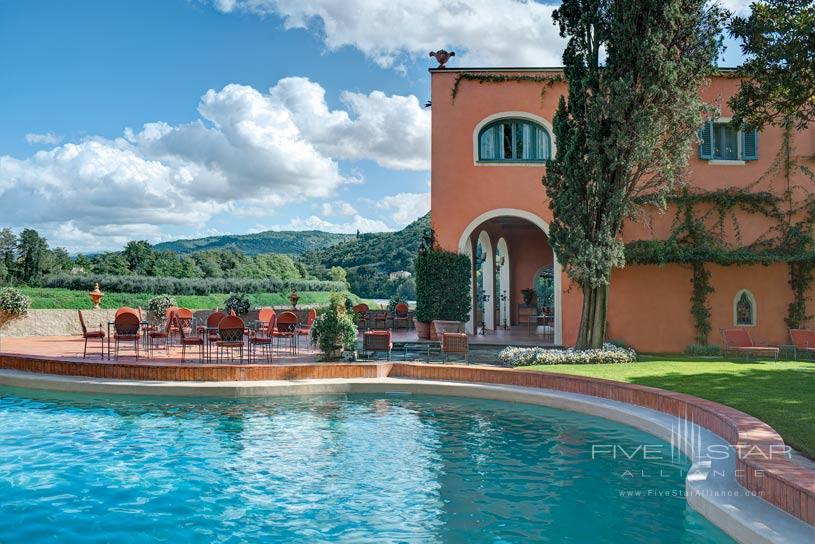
(523,242)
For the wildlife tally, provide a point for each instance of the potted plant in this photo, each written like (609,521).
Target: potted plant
(529,295)
(442,292)
(13,305)
(157,306)
(334,330)
(237,303)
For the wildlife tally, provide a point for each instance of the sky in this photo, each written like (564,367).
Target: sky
(166,119)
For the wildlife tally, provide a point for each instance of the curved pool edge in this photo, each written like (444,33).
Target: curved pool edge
(711,486)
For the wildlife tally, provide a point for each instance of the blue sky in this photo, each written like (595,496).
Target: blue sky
(175,118)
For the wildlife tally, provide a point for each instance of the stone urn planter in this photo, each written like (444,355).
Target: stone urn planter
(422,329)
(440,326)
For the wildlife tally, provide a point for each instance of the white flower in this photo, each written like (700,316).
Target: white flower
(609,354)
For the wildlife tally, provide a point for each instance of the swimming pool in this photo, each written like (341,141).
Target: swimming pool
(361,468)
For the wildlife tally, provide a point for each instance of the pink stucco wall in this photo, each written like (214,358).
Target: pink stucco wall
(649,306)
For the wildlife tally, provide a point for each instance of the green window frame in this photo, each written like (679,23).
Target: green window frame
(514,140)
(719,140)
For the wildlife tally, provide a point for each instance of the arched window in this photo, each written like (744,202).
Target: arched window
(519,140)
(744,309)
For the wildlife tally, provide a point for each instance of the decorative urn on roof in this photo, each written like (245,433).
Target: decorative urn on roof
(96,296)
(442,57)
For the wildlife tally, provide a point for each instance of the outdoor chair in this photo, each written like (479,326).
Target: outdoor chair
(126,326)
(90,335)
(374,342)
(126,310)
(263,339)
(287,329)
(155,336)
(210,330)
(191,340)
(803,340)
(361,311)
(401,314)
(378,316)
(183,318)
(739,341)
(455,343)
(230,336)
(264,316)
(305,330)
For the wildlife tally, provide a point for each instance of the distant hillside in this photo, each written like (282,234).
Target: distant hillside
(383,251)
(290,242)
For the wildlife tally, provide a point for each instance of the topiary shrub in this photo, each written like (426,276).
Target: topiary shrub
(334,329)
(238,303)
(442,286)
(158,305)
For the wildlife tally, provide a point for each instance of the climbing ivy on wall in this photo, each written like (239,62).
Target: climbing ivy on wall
(547,81)
(699,309)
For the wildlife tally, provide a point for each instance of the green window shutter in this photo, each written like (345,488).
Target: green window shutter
(749,144)
(706,143)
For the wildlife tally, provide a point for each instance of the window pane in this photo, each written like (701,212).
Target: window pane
(542,151)
(725,142)
(487,144)
(744,310)
(507,140)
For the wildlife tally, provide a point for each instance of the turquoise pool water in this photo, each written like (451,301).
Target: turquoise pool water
(383,468)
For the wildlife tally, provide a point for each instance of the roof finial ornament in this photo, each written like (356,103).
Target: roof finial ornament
(442,57)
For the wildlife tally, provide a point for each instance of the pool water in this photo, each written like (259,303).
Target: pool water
(357,468)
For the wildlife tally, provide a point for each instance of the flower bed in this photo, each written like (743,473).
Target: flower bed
(609,354)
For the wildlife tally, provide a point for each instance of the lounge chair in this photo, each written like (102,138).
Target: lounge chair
(739,341)
(803,340)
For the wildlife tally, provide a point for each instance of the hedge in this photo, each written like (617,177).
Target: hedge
(186,286)
(442,286)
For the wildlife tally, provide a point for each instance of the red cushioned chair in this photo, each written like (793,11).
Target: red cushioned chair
(455,343)
(401,314)
(126,326)
(374,342)
(230,333)
(287,329)
(192,340)
(90,335)
(263,339)
(803,341)
(739,341)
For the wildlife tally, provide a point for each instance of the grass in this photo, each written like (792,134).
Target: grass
(781,394)
(49,299)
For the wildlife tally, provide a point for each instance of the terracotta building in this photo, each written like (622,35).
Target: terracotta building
(490,139)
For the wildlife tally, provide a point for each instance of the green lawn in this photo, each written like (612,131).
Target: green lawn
(48,299)
(781,394)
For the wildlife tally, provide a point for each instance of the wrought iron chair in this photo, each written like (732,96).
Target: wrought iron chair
(455,343)
(374,342)
(126,326)
(192,340)
(263,339)
(230,333)
(287,329)
(401,314)
(90,335)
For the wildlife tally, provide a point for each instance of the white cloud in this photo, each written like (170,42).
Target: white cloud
(392,130)
(406,207)
(248,154)
(337,207)
(356,223)
(48,138)
(739,7)
(484,32)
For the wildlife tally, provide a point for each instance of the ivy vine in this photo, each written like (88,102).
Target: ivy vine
(699,309)
(546,81)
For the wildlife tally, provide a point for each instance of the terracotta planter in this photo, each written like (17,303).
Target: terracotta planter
(423,329)
(442,327)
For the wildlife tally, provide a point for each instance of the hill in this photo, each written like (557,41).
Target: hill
(289,242)
(369,258)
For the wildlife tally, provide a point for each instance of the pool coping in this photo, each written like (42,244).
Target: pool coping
(758,468)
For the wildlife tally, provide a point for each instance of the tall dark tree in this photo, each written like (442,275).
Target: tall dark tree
(8,249)
(140,257)
(778,85)
(31,256)
(626,128)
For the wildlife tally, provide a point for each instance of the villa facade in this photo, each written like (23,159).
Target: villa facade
(490,138)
